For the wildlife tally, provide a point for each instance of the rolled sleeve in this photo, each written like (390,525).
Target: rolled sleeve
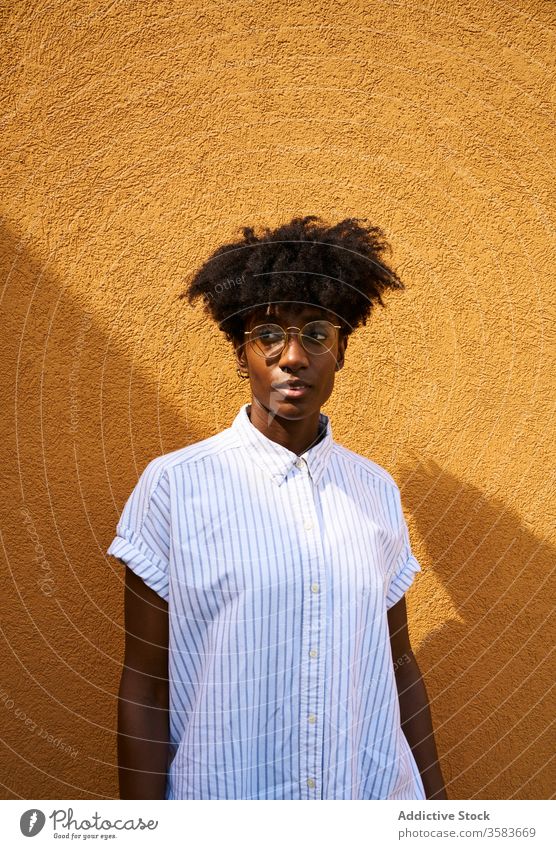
(142,538)
(406,566)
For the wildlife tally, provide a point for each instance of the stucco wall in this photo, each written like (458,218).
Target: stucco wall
(137,137)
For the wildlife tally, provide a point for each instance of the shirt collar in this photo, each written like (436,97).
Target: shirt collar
(276,460)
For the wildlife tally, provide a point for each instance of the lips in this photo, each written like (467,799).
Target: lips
(293,384)
(293,389)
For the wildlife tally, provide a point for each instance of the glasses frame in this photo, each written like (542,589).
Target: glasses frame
(287,334)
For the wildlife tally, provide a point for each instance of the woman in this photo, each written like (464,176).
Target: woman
(267,651)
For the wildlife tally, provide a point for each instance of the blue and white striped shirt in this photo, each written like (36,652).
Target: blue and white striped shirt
(278,572)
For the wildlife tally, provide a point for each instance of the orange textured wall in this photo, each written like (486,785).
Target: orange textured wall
(137,137)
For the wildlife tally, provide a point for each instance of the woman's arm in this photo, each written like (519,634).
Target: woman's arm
(143,729)
(415,713)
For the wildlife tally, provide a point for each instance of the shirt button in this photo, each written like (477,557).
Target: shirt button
(308,525)
(313,653)
(315,588)
(312,718)
(310,782)
(300,463)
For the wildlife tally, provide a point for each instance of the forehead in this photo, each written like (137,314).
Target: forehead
(288,313)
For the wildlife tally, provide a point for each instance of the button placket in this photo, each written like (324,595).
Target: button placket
(313,644)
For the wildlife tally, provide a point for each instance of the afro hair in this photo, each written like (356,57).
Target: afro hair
(339,268)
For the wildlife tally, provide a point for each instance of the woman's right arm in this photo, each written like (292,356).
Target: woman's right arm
(143,718)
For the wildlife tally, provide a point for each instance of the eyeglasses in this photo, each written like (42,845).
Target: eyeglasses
(317,337)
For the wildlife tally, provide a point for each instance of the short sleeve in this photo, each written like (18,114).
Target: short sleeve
(142,538)
(406,565)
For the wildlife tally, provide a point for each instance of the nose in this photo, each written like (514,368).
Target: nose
(293,354)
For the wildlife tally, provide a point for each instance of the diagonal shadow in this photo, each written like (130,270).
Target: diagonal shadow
(486,666)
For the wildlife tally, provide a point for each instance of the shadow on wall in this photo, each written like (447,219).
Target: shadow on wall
(83,424)
(487,671)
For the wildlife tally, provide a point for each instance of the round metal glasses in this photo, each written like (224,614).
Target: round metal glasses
(317,337)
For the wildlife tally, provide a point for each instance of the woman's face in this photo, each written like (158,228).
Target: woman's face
(269,375)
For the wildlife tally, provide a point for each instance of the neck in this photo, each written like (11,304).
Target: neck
(297,435)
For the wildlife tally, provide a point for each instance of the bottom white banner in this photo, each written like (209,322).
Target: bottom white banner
(248,824)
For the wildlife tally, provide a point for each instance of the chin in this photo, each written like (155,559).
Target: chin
(294,409)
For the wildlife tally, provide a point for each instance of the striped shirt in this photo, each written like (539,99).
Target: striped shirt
(278,571)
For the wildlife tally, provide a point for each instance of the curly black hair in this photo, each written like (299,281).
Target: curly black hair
(338,267)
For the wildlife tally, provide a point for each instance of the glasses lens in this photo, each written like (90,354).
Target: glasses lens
(318,337)
(268,339)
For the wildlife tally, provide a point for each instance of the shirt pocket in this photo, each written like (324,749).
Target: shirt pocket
(207,560)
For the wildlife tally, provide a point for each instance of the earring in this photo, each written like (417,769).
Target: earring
(240,374)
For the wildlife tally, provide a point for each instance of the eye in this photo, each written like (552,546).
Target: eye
(268,333)
(317,331)
(315,334)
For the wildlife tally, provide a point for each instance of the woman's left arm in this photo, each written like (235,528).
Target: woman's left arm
(415,712)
